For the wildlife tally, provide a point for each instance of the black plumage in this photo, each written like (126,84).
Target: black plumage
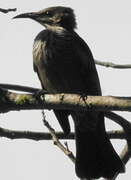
(65,64)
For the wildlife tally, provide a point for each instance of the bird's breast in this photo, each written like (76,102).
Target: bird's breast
(60,68)
(38,49)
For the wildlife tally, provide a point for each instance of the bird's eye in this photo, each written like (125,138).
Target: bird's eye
(48,13)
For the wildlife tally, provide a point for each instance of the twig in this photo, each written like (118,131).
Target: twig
(112,65)
(19,88)
(56,140)
(37,136)
(7,10)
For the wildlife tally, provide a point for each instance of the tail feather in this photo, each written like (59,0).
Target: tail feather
(95,155)
(62,117)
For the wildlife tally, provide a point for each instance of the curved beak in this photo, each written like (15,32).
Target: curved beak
(31,15)
(37,16)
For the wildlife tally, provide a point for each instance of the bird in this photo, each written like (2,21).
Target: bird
(65,64)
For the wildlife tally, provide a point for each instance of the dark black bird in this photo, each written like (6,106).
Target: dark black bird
(64,64)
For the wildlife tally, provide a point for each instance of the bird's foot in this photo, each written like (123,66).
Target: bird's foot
(83,97)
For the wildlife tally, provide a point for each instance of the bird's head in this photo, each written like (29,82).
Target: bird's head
(58,16)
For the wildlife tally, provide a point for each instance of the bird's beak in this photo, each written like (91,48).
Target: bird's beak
(35,16)
(31,15)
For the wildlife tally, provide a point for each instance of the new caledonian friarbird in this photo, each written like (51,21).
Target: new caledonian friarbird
(64,64)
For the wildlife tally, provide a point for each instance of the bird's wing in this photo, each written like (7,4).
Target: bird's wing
(36,70)
(62,116)
(85,56)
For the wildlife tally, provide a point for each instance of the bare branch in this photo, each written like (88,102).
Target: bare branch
(112,65)
(126,125)
(7,10)
(37,136)
(19,88)
(10,101)
(56,141)
(116,134)
(13,101)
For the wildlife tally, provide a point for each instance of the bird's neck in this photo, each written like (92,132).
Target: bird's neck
(56,29)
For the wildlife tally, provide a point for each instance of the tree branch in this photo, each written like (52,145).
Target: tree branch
(37,136)
(7,10)
(10,101)
(19,88)
(14,101)
(56,141)
(13,134)
(112,65)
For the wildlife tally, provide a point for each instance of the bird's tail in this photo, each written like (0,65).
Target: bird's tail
(95,155)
